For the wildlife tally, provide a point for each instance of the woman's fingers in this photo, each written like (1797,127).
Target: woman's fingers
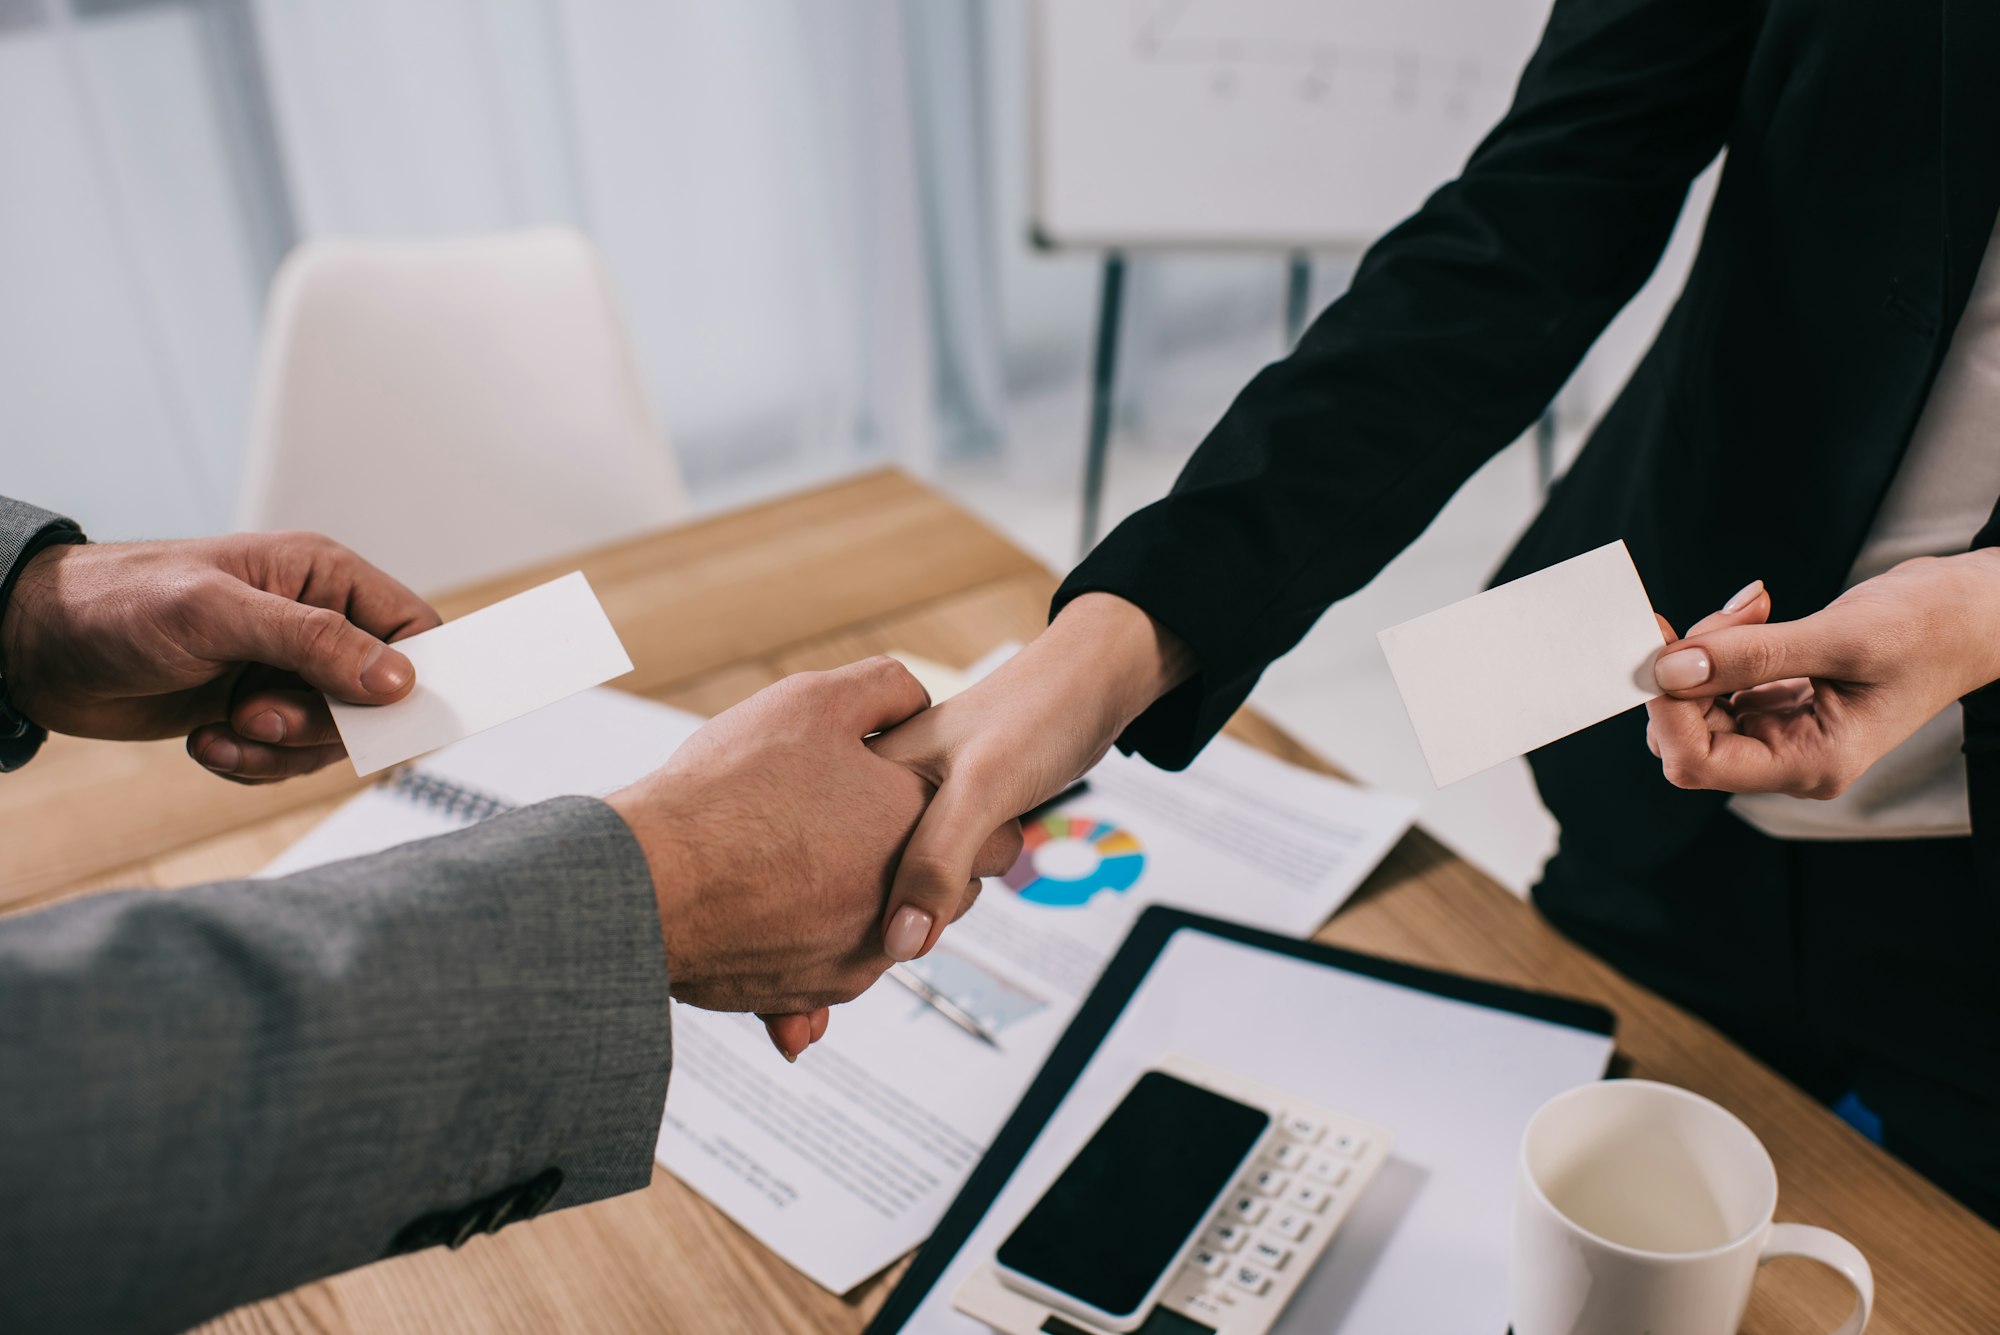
(1701,741)
(1686,670)
(1844,642)
(1773,697)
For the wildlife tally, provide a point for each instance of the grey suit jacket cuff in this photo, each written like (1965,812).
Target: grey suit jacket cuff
(216,1094)
(24,530)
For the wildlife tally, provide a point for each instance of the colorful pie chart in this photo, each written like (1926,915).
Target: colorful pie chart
(1066,861)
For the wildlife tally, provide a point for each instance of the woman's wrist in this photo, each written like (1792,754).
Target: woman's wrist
(1113,650)
(1983,620)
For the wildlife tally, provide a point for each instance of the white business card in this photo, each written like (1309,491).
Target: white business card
(485,668)
(1522,665)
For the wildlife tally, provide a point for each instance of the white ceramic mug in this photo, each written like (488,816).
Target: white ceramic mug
(1643,1209)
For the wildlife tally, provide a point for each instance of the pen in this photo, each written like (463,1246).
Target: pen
(943,1005)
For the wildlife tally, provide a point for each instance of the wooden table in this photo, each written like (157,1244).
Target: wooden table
(718,609)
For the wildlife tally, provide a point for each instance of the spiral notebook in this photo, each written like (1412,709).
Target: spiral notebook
(592,743)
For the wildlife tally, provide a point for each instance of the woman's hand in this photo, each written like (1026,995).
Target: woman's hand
(1804,707)
(1003,746)
(227,641)
(1015,739)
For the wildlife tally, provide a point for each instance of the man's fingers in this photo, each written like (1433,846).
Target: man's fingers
(1000,851)
(328,651)
(220,750)
(790,1034)
(313,569)
(280,717)
(873,695)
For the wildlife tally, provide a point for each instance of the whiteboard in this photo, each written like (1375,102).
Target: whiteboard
(1281,123)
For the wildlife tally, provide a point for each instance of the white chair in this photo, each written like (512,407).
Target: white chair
(453,409)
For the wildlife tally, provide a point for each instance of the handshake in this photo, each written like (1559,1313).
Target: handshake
(799,844)
(780,840)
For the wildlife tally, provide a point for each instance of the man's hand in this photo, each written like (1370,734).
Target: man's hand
(1804,707)
(228,641)
(772,835)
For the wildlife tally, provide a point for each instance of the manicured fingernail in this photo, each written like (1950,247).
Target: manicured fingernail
(384,674)
(222,755)
(1743,596)
(1683,669)
(265,727)
(908,931)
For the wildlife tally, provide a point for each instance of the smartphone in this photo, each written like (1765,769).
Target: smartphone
(1102,1241)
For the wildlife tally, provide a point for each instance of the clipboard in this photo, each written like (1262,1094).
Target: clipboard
(1564,1041)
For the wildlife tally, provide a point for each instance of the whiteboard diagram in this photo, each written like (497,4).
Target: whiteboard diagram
(1278,123)
(1310,46)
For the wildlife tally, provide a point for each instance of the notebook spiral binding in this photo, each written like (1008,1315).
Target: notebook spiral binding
(442,795)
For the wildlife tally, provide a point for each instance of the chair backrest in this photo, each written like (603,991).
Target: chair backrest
(453,409)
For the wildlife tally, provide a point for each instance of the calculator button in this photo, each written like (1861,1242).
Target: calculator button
(1204,1304)
(1249,1209)
(1306,1197)
(1268,1253)
(1210,1261)
(1270,1182)
(1251,1278)
(1349,1144)
(1328,1169)
(1301,1127)
(1290,1155)
(1226,1237)
(1292,1224)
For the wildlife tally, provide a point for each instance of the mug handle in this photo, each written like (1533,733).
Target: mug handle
(1834,1252)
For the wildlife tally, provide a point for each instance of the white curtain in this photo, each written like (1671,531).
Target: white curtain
(751,172)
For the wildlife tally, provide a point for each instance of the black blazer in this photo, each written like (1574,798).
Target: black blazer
(1755,439)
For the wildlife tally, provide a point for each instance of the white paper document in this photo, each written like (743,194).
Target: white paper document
(845,1161)
(485,668)
(1454,1083)
(1517,667)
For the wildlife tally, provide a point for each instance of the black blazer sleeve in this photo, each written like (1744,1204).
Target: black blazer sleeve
(1459,327)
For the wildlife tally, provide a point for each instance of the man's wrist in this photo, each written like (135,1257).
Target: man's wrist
(22,604)
(647,814)
(27,558)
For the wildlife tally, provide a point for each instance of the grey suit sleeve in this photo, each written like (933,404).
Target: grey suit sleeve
(215,1094)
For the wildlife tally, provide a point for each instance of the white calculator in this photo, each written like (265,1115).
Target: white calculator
(1200,1204)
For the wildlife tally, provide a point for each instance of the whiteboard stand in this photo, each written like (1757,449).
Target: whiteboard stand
(1281,126)
(1103,384)
(1104,373)
(1298,293)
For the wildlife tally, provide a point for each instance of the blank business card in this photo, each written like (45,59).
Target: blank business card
(485,668)
(1522,665)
